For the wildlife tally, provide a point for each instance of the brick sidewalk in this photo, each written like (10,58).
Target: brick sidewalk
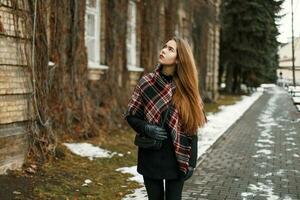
(258,158)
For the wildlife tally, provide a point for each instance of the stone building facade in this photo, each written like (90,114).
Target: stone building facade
(285,68)
(172,18)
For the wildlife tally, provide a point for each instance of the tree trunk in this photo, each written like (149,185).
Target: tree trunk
(150,28)
(69,96)
(117,77)
(229,78)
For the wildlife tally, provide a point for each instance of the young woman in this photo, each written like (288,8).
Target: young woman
(169,92)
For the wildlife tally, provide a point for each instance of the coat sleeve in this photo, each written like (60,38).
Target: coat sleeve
(194,151)
(136,124)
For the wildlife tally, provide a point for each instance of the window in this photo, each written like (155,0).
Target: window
(92,33)
(92,30)
(131,45)
(91,3)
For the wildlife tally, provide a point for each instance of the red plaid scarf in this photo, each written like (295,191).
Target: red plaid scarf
(150,98)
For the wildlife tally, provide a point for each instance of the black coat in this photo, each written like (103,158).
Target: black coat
(162,163)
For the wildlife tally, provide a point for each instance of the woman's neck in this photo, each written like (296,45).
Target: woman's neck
(168,70)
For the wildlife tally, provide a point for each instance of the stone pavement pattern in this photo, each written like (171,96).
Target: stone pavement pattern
(257,158)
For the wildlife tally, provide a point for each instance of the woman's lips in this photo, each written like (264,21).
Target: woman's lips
(161,56)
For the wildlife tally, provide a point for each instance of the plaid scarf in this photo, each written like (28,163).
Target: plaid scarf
(150,98)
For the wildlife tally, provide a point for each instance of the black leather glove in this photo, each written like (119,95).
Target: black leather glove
(155,132)
(189,173)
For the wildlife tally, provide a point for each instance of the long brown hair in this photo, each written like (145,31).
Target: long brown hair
(186,98)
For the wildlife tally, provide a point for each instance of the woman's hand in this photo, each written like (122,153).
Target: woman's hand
(189,173)
(155,132)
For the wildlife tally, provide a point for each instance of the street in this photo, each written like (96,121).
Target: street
(259,157)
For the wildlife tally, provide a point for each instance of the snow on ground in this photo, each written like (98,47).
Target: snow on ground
(90,151)
(217,124)
(131,170)
(140,193)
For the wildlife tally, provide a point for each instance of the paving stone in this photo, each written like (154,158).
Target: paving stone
(259,153)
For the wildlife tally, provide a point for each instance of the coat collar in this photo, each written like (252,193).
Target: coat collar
(162,79)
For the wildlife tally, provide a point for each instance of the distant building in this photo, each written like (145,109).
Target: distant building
(284,70)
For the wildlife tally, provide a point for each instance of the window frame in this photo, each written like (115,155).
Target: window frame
(131,38)
(94,63)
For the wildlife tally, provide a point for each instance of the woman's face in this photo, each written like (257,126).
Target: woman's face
(168,54)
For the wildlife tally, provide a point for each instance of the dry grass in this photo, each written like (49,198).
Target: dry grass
(63,178)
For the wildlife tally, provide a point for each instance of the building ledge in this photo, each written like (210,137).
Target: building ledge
(288,67)
(133,68)
(95,70)
(95,66)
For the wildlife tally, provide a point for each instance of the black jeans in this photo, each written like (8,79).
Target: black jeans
(155,189)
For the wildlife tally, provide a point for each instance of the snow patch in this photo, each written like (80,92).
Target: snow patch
(89,150)
(286,197)
(140,193)
(267,85)
(262,189)
(264,151)
(262,145)
(132,170)
(86,183)
(265,141)
(280,172)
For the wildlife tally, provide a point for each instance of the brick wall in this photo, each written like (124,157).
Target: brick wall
(15,88)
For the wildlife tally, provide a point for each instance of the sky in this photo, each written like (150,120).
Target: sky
(285,22)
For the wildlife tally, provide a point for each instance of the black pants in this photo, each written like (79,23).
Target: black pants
(155,189)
